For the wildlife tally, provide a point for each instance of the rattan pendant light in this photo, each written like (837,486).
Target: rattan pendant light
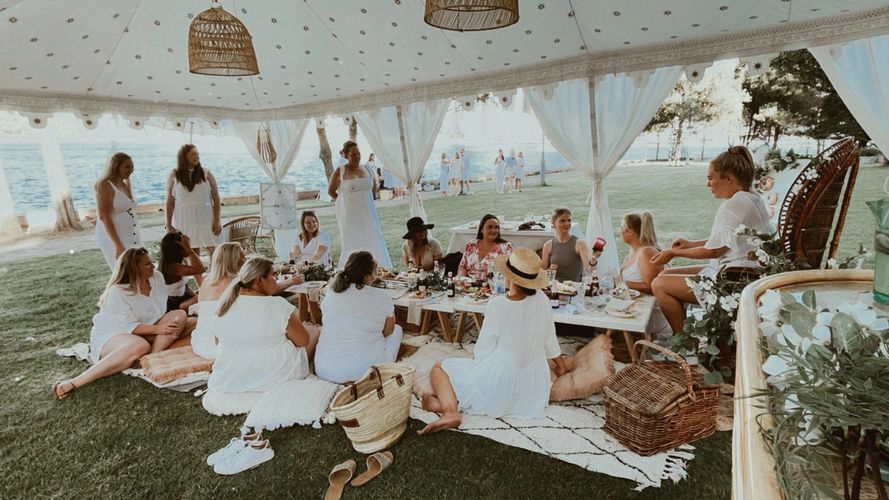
(471,15)
(220,45)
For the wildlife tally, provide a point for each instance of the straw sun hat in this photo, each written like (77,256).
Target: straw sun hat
(522,267)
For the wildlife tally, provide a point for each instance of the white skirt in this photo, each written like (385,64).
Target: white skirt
(196,222)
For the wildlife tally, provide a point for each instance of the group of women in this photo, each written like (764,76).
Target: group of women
(509,171)
(453,175)
(257,340)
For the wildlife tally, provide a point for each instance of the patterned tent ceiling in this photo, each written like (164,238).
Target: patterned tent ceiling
(337,56)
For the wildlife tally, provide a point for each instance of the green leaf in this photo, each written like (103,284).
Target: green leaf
(712,350)
(809,299)
(845,333)
(713,378)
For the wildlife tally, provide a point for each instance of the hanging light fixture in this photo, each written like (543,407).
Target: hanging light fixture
(220,45)
(471,15)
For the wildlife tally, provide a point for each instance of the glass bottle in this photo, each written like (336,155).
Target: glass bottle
(451,291)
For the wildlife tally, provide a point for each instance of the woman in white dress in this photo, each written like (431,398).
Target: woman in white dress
(456,173)
(499,171)
(193,203)
(352,188)
(117,227)
(509,373)
(638,272)
(443,173)
(132,320)
(261,341)
(227,261)
(519,171)
(359,323)
(313,244)
(729,177)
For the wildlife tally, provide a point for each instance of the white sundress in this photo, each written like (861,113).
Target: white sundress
(203,338)
(359,224)
(193,214)
(443,175)
(123,311)
(508,374)
(123,214)
(309,249)
(743,208)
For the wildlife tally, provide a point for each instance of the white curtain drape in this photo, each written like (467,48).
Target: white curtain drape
(286,137)
(9,224)
(403,143)
(594,138)
(859,72)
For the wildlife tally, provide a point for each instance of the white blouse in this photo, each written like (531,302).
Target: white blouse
(744,208)
(309,249)
(123,311)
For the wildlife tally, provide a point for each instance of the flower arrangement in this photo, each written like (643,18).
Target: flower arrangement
(775,162)
(709,334)
(828,376)
(317,272)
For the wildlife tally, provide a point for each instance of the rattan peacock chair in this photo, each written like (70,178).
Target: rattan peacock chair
(244,230)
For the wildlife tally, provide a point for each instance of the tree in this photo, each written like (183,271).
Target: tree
(324,154)
(688,104)
(353,129)
(795,97)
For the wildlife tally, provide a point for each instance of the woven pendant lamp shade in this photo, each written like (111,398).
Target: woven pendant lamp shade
(220,45)
(471,15)
(264,145)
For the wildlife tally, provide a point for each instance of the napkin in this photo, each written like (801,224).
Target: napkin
(620,305)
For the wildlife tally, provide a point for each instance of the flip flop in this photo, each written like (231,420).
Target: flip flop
(338,477)
(376,463)
(55,389)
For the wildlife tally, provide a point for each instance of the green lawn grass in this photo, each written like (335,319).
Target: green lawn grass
(121,438)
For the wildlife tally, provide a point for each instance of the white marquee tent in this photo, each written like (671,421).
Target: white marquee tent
(595,72)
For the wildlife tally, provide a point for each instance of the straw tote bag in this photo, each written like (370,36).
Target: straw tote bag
(374,410)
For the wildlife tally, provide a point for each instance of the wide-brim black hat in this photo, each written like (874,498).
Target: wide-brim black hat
(415,225)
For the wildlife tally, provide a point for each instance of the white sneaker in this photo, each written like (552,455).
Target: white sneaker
(232,446)
(244,458)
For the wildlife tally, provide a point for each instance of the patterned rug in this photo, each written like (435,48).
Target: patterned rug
(571,431)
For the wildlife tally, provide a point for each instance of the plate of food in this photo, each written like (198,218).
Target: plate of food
(382,272)
(566,289)
(621,314)
(634,294)
(417,294)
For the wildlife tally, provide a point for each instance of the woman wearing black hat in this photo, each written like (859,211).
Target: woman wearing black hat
(419,247)
(509,373)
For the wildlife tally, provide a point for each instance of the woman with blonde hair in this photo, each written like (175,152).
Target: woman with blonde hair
(132,320)
(262,342)
(227,261)
(566,254)
(116,226)
(638,272)
(729,177)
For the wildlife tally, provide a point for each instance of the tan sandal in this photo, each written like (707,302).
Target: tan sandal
(57,385)
(338,477)
(376,463)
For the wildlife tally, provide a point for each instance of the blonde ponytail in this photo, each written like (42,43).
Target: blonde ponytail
(254,269)
(647,236)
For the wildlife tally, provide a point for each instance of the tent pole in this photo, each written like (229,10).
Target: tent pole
(542,158)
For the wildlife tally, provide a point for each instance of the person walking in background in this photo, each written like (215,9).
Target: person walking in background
(193,203)
(519,171)
(499,171)
(443,174)
(511,171)
(456,173)
(352,189)
(116,228)
(464,173)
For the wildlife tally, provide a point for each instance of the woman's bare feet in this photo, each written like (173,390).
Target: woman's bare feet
(446,421)
(61,389)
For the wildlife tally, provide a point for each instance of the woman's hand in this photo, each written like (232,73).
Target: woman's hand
(170,328)
(663,257)
(118,249)
(553,267)
(217,227)
(185,243)
(681,243)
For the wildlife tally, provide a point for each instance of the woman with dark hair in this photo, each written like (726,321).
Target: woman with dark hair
(175,250)
(132,320)
(353,189)
(479,254)
(729,177)
(359,323)
(509,373)
(418,246)
(193,203)
(313,244)
(116,228)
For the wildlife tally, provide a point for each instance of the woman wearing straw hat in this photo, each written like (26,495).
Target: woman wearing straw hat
(509,373)
(418,246)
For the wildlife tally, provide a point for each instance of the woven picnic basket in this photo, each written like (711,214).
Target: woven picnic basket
(374,409)
(653,406)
